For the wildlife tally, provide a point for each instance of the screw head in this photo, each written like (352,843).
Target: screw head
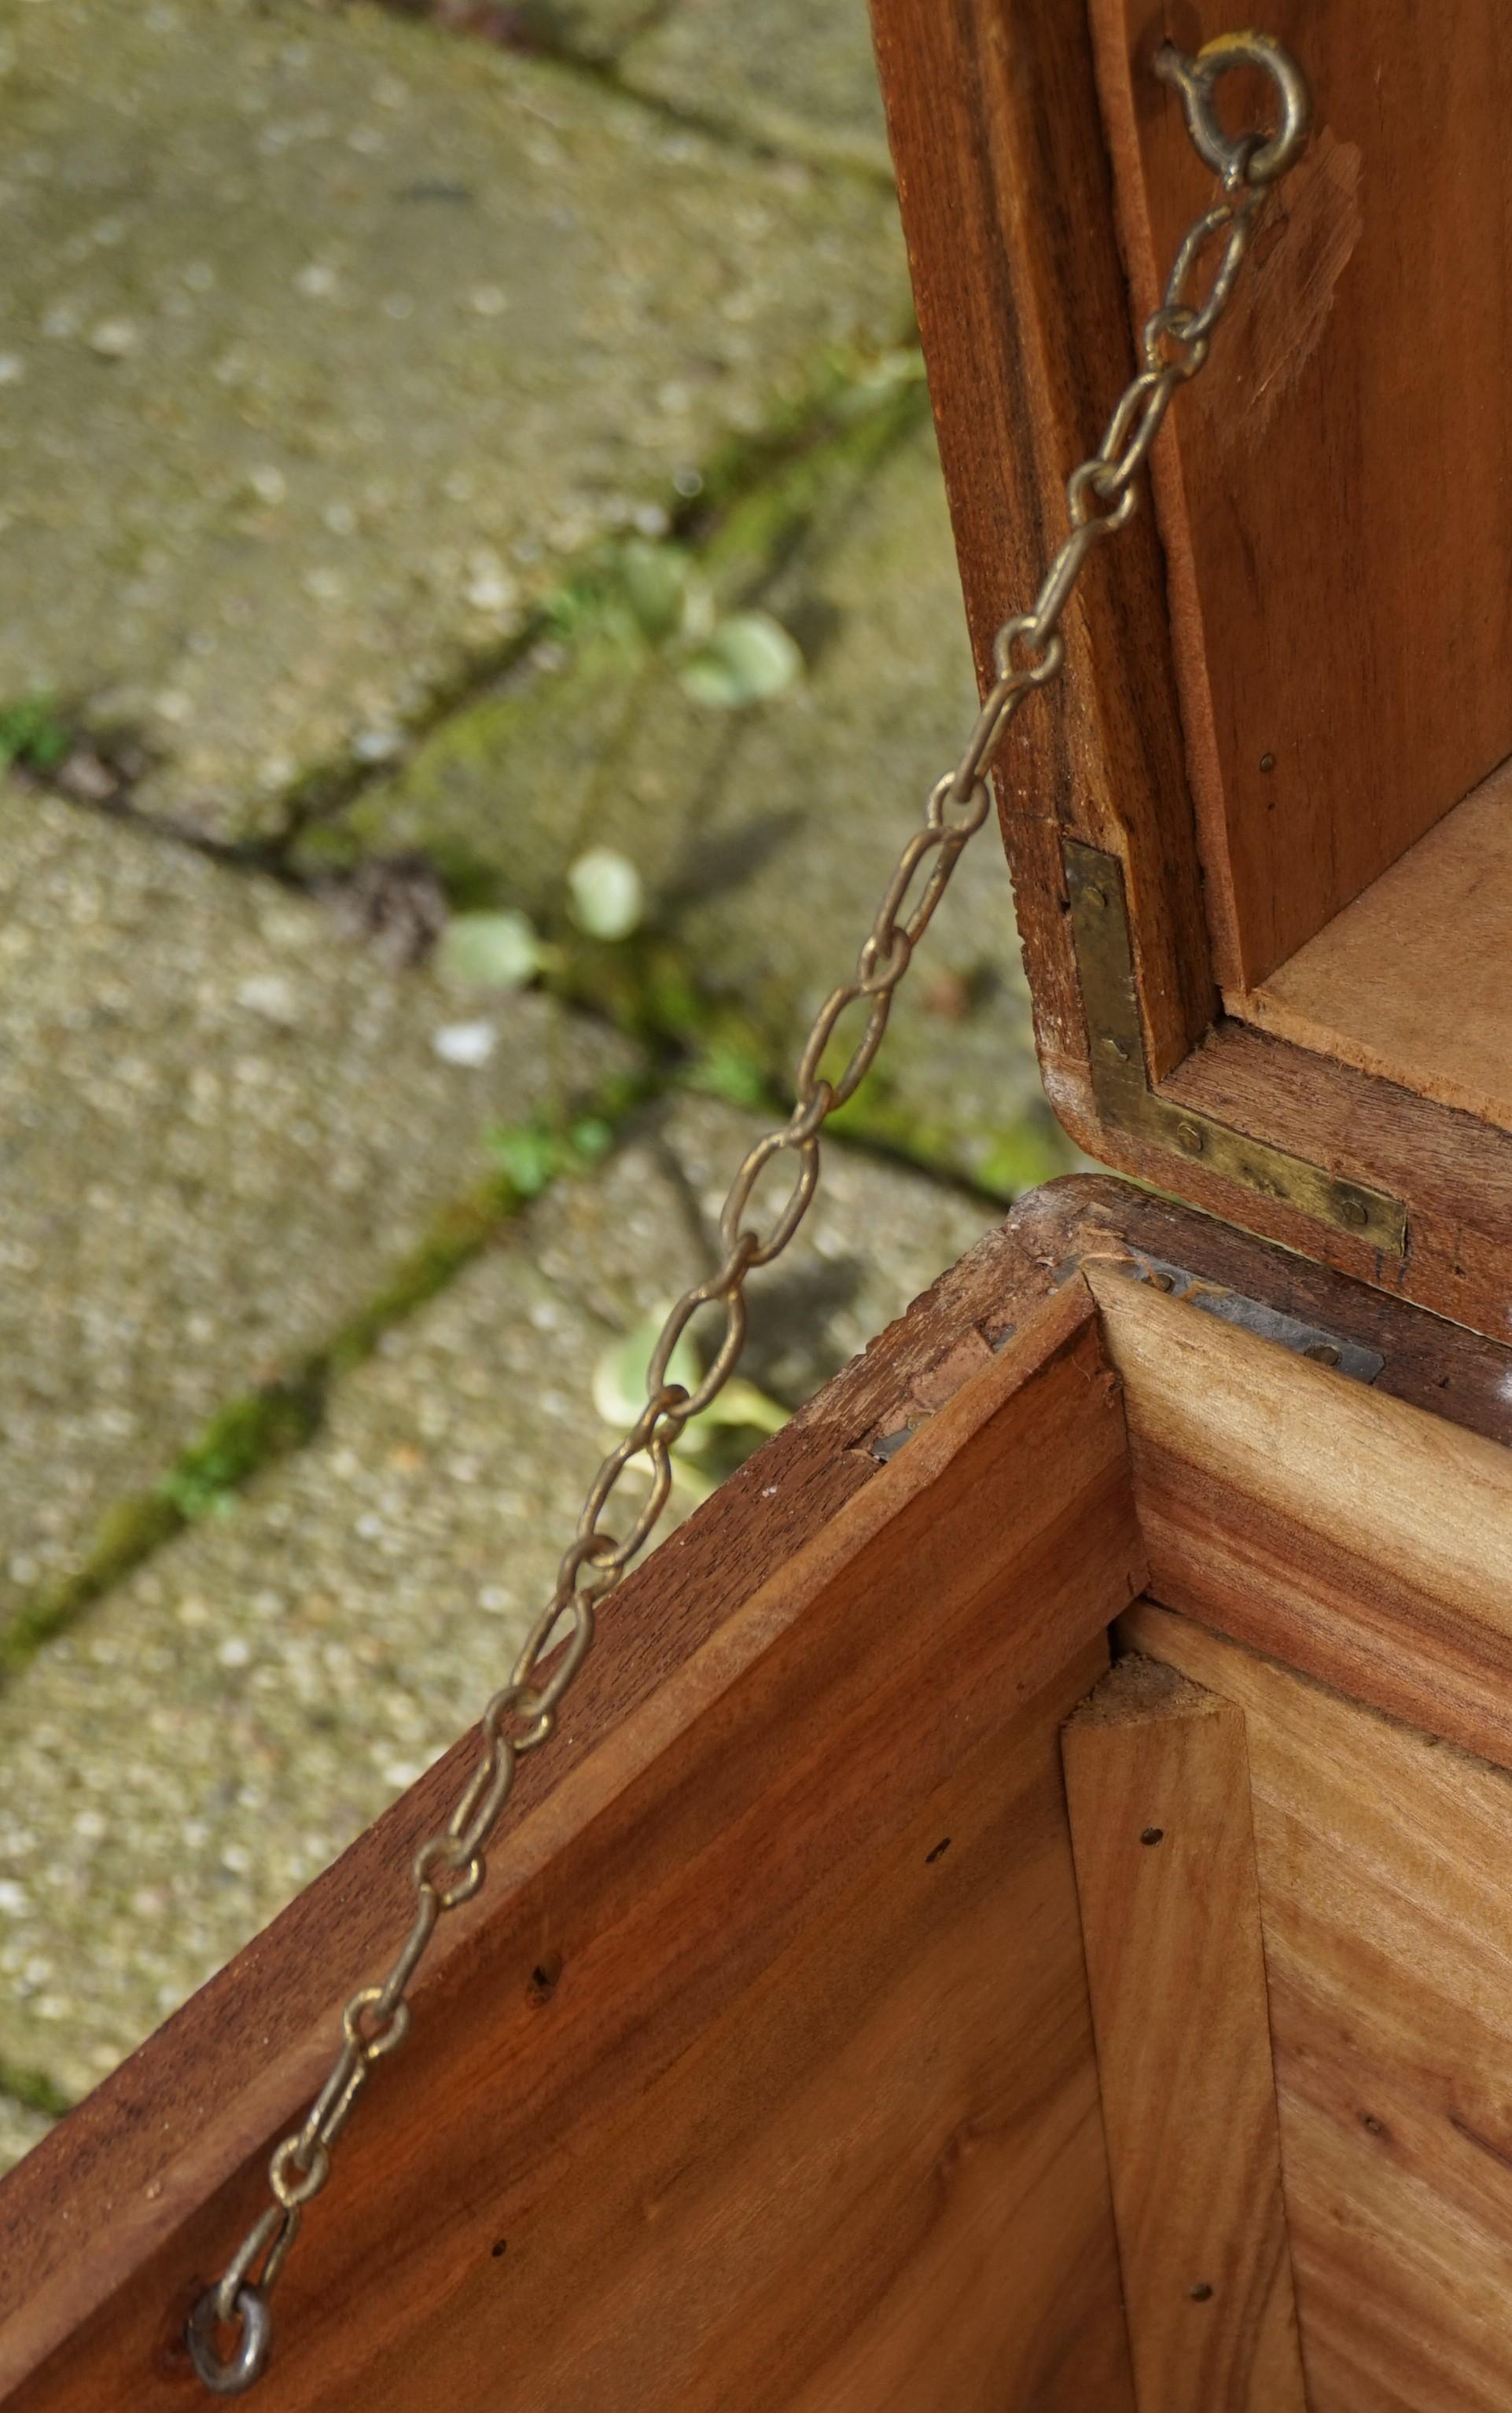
(1114,1047)
(1355,1211)
(1190,1135)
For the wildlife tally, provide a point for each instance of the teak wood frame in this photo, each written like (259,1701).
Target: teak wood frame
(762,2071)
(1256,721)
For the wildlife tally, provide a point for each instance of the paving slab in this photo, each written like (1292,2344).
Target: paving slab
(793,76)
(329,337)
(173,1769)
(222,1123)
(796,74)
(765,835)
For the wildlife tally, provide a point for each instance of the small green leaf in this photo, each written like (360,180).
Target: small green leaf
(529,1154)
(489,951)
(620,1376)
(749,658)
(604,893)
(34,733)
(725,1070)
(654,579)
(592,1138)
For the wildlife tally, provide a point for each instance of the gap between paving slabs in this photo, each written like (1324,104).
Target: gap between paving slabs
(250,1434)
(762,821)
(819,472)
(261,1687)
(295,430)
(795,76)
(286,1414)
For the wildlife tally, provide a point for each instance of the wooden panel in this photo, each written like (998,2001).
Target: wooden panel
(1022,303)
(1385,1879)
(1158,1791)
(1303,1511)
(66,2197)
(806,2090)
(1409,982)
(1342,621)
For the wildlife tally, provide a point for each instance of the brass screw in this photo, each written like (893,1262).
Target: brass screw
(1354,1211)
(1114,1047)
(1323,1352)
(1190,1135)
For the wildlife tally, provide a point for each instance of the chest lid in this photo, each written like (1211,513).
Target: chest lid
(1261,831)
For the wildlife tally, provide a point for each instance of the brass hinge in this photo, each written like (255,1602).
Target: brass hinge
(1121,1079)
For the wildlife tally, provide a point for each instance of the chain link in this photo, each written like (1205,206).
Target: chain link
(1101,496)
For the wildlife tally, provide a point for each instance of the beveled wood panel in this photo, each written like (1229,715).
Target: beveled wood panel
(1310,1514)
(1385,1884)
(1340,612)
(1158,1791)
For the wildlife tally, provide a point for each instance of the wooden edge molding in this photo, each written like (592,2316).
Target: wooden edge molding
(1007,204)
(1158,1791)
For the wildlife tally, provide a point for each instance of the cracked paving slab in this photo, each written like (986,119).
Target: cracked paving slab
(257,1692)
(328,338)
(221,1123)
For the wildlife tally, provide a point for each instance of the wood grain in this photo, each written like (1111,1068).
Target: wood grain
(1007,199)
(1158,1793)
(1007,209)
(1384,1859)
(1456,1375)
(1409,983)
(1312,497)
(1353,1537)
(95,2173)
(1453,1172)
(799,2107)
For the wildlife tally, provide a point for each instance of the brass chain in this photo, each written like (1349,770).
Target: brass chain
(1027,653)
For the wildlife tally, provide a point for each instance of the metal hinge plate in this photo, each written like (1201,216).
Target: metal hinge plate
(1120,1082)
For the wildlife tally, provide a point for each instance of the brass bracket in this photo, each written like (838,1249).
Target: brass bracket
(1121,1079)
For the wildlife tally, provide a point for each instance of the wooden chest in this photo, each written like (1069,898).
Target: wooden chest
(1019,1919)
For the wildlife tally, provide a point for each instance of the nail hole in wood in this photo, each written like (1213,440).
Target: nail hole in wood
(938,1852)
(1201,2293)
(1152,1835)
(1369,2119)
(544,1977)
(502,2247)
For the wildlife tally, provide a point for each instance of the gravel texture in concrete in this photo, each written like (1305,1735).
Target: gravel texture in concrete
(222,1123)
(173,1769)
(798,75)
(329,337)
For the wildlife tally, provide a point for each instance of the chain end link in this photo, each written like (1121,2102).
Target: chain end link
(231,2375)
